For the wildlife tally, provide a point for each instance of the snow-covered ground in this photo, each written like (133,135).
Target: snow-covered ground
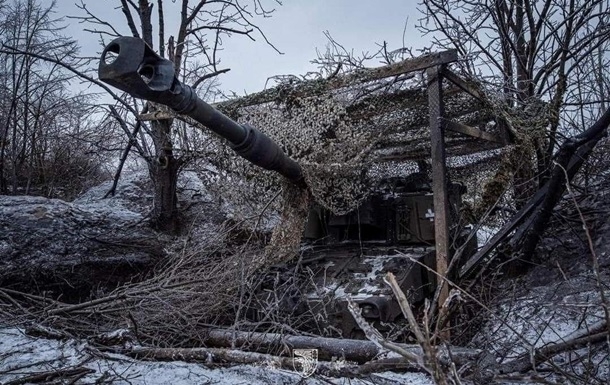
(539,313)
(22,356)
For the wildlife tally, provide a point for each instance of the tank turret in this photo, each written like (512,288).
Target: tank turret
(130,65)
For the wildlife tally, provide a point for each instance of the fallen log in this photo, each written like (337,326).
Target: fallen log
(360,351)
(216,356)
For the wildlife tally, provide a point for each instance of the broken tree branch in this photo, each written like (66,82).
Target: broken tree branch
(536,213)
(529,360)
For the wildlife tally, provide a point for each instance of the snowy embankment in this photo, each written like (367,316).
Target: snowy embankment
(95,239)
(48,242)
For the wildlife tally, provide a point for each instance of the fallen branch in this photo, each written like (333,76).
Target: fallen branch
(531,360)
(360,351)
(51,375)
(387,364)
(38,330)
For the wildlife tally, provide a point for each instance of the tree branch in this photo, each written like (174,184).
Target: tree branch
(208,76)
(129,17)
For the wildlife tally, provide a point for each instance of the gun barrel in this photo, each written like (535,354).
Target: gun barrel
(130,65)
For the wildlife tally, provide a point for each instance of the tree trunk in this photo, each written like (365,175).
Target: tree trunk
(164,173)
(360,351)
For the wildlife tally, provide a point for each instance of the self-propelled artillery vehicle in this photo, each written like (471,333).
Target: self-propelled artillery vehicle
(394,229)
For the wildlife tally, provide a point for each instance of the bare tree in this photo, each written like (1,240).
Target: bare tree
(194,49)
(38,111)
(543,55)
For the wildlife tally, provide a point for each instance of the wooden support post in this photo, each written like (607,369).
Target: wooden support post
(439,176)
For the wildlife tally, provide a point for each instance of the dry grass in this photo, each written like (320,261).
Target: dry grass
(191,290)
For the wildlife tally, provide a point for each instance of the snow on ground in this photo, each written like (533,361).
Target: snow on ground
(132,191)
(22,355)
(542,315)
(526,322)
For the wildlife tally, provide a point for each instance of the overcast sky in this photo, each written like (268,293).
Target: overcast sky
(296,29)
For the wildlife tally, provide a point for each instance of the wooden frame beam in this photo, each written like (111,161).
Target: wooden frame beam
(458,81)
(439,177)
(471,131)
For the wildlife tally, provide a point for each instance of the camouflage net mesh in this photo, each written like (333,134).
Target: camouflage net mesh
(318,132)
(347,133)
(528,124)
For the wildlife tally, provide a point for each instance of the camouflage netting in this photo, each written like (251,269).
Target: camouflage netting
(332,149)
(347,133)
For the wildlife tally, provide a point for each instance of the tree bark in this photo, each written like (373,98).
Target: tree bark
(360,351)
(164,173)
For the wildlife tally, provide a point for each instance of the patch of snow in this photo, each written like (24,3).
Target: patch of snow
(132,191)
(535,321)
(191,187)
(484,234)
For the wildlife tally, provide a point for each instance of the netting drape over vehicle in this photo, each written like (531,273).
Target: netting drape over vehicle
(343,130)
